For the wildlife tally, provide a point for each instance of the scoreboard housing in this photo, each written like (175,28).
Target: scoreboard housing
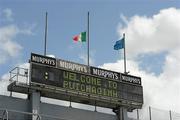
(90,85)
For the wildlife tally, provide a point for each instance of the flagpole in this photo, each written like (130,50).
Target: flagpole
(88,40)
(124,54)
(45,39)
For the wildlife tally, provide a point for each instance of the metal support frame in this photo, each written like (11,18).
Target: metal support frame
(121,113)
(150,113)
(6,112)
(5,115)
(70,105)
(95,107)
(137,114)
(35,104)
(19,72)
(34,96)
(170,115)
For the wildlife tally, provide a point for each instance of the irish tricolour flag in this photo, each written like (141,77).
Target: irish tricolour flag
(81,37)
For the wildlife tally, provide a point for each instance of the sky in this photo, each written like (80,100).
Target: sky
(152,39)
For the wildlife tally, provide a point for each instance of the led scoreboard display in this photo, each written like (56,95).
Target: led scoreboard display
(97,84)
(75,81)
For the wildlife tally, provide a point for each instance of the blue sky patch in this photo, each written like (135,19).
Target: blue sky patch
(152,62)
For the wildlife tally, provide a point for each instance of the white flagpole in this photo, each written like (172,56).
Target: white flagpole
(88,40)
(124,54)
(45,38)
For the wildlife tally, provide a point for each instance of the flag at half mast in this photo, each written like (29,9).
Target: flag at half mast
(119,44)
(81,37)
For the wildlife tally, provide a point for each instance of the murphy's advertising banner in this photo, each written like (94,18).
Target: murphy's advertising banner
(72,66)
(105,73)
(43,60)
(131,79)
(76,67)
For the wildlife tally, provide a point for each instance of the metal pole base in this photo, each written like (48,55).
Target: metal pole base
(35,104)
(121,113)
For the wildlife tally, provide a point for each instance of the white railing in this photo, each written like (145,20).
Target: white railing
(19,74)
(152,113)
(6,114)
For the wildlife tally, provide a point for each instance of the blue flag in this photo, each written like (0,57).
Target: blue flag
(119,44)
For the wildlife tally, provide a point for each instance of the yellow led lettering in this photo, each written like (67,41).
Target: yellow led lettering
(77,86)
(88,88)
(72,85)
(65,84)
(93,89)
(104,92)
(93,81)
(83,78)
(72,76)
(109,84)
(114,85)
(88,79)
(115,94)
(83,89)
(99,91)
(89,84)
(65,75)
(98,82)
(109,93)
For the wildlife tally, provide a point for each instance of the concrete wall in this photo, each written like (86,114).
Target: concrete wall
(58,112)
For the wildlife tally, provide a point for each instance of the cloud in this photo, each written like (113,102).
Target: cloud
(3,87)
(155,34)
(84,58)
(8,15)
(9,48)
(160,92)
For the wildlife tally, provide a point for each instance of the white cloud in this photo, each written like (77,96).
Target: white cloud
(8,46)
(160,92)
(3,86)
(152,34)
(84,58)
(8,15)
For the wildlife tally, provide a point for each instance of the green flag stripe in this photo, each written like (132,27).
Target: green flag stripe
(83,36)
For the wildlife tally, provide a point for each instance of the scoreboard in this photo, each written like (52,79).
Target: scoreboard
(89,81)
